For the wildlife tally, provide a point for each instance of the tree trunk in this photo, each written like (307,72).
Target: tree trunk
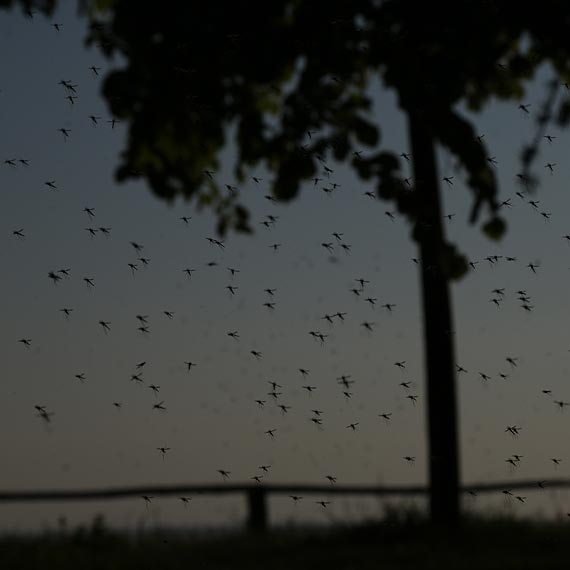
(438,332)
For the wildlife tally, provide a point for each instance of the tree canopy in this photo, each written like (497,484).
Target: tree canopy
(293,79)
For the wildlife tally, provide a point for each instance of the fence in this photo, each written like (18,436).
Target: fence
(257,493)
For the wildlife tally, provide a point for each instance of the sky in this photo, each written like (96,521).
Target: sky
(211,419)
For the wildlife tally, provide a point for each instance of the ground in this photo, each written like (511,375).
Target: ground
(480,544)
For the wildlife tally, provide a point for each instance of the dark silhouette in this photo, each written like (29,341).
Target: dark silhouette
(206,71)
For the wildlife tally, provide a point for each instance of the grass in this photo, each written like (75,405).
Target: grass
(398,542)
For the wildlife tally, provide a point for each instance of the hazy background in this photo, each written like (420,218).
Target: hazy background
(212,421)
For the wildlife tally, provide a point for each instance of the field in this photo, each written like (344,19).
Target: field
(407,543)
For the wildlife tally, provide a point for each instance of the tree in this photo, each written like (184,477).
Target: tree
(284,69)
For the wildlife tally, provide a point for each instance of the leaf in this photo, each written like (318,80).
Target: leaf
(365,132)
(454,264)
(495,228)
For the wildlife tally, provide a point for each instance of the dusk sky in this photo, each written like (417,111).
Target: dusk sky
(211,419)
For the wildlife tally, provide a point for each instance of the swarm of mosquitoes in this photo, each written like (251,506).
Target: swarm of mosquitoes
(360,291)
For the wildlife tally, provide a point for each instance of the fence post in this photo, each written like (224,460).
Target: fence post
(257,516)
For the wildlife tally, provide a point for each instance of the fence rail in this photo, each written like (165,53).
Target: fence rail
(257,493)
